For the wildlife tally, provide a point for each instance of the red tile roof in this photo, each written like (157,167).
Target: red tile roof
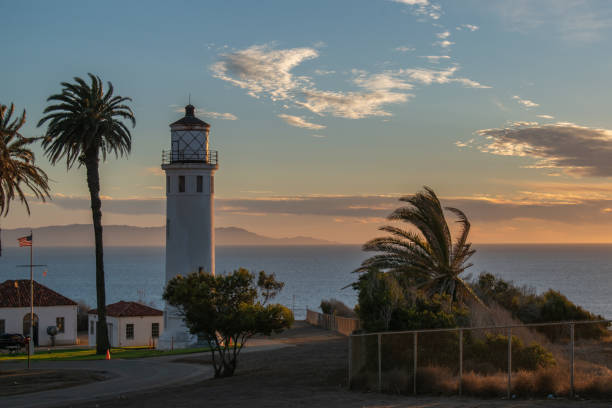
(124,309)
(16,293)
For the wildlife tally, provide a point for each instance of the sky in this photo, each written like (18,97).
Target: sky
(324,113)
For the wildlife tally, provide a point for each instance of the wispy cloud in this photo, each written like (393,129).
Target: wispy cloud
(404,49)
(435,58)
(324,71)
(424,8)
(300,122)
(470,27)
(576,150)
(444,35)
(381,82)
(261,69)
(351,105)
(545,116)
(444,43)
(210,114)
(428,76)
(572,20)
(525,102)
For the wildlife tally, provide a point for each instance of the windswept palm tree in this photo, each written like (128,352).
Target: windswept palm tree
(17,167)
(428,260)
(86,122)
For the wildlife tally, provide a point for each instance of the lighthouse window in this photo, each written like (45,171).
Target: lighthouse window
(167,184)
(199,184)
(212,184)
(181,184)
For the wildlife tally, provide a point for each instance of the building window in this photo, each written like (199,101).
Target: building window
(167,184)
(59,323)
(199,184)
(92,327)
(181,184)
(212,184)
(129,331)
(155,330)
(2,326)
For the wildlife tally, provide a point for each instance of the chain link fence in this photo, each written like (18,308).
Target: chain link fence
(535,360)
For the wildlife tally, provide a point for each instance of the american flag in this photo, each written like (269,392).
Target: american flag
(25,241)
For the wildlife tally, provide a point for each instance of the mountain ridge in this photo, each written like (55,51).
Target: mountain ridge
(81,235)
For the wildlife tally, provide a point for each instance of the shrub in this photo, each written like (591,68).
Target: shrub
(493,349)
(539,383)
(594,386)
(528,307)
(436,380)
(336,307)
(489,386)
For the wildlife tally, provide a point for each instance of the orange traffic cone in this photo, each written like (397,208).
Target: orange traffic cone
(108,354)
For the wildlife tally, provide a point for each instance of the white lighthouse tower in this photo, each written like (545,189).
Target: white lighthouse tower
(190,235)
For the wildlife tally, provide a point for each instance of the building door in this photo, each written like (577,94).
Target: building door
(26,328)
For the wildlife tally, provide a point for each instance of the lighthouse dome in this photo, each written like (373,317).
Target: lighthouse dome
(190,120)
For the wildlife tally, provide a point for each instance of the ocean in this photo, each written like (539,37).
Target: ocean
(312,273)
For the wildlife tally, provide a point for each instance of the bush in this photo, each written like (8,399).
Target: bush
(489,386)
(528,307)
(493,349)
(336,307)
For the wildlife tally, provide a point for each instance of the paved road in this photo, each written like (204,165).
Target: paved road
(125,376)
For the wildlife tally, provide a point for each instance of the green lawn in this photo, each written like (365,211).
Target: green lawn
(90,354)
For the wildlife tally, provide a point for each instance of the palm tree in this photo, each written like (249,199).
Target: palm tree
(428,261)
(85,123)
(17,168)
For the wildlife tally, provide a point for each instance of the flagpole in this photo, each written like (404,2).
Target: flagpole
(31,294)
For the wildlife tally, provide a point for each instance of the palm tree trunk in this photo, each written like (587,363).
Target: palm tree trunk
(93,182)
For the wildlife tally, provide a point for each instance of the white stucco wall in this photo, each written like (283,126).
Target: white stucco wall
(117,330)
(190,230)
(13,317)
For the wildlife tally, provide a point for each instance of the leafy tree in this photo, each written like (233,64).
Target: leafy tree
(227,310)
(84,123)
(429,261)
(17,167)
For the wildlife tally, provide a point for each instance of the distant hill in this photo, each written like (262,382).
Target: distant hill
(81,235)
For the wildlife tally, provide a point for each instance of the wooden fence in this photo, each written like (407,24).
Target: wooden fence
(343,325)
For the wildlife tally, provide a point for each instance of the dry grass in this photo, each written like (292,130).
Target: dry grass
(487,386)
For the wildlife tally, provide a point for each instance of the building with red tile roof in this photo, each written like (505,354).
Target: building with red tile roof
(129,324)
(51,309)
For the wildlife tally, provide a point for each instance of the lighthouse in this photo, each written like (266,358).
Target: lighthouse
(190,235)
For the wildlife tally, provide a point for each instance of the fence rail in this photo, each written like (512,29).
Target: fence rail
(343,325)
(570,356)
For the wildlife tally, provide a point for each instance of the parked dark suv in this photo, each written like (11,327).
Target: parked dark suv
(12,340)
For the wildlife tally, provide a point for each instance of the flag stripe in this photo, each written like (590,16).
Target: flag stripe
(25,241)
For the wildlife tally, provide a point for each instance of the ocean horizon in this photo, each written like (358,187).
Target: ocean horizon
(312,273)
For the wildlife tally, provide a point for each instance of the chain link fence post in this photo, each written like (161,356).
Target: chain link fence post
(460,361)
(350,359)
(414,377)
(572,360)
(509,362)
(379,363)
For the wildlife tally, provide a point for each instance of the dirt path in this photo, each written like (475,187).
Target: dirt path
(310,372)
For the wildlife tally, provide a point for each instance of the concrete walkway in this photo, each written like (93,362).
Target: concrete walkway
(125,376)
